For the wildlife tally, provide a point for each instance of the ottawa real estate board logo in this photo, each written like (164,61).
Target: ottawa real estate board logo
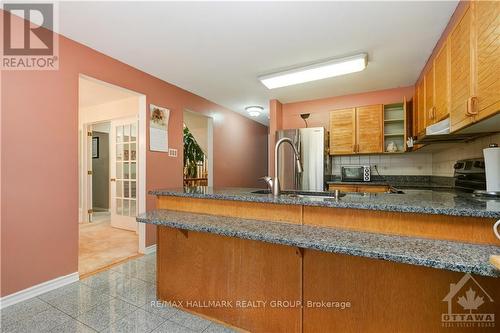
(28,38)
(469,305)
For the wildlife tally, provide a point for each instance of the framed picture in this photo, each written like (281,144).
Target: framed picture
(158,128)
(95,147)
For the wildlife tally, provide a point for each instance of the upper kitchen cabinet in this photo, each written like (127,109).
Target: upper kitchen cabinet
(420,109)
(429,97)
(395,127)
(462,81)
(356,130)
(343,131)
(487,32)
(441,84)
(370,129)
(414,114)
(461,86)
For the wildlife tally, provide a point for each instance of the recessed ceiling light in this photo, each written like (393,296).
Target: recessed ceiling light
(254,111)
(317,71)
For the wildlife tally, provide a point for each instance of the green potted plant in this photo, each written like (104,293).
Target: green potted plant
(192,154)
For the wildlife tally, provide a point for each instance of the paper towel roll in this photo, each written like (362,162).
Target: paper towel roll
(492,165)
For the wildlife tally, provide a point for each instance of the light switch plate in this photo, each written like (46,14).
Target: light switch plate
(172,152)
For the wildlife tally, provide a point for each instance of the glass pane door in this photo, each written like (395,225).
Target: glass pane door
(124,180)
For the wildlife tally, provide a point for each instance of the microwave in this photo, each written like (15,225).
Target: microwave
(356,173)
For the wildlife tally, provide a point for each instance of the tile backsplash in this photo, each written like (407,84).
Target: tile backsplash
(412,164)
(442,161)
(438,163)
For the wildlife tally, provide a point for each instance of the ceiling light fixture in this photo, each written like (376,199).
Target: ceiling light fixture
(317,71)
(254,111)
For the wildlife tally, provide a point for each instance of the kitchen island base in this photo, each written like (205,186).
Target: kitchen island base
(263,287)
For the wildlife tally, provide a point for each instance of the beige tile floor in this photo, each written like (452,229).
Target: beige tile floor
(119,299)
(102,245)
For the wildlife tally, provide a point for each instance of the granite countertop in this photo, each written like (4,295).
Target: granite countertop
(454,256)
(412,201)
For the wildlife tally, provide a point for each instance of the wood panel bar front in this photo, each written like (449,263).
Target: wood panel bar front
(248,210)
(386,296)
(195,268)
(455,228)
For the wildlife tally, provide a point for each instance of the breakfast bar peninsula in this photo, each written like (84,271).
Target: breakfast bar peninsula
(364,262)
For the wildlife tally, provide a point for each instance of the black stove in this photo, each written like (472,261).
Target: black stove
(470,175)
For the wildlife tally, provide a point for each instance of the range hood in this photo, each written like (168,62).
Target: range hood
(440,132)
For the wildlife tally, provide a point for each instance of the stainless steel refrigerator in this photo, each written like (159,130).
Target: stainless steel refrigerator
(312,146)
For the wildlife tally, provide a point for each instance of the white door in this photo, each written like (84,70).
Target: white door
(123,173)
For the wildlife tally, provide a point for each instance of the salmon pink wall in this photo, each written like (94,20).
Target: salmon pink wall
(287,115)
(39,158)
(320,108)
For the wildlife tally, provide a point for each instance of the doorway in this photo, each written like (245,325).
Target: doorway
(198,149)
(112,127)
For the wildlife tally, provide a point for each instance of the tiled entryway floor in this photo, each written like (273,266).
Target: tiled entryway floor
(101,245)
(116,300)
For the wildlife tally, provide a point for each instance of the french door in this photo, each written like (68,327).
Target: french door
(123,173)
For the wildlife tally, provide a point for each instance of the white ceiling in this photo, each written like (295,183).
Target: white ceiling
(217,50)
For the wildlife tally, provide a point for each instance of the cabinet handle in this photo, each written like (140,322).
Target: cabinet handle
(431,112)
(495,229)
(472,106)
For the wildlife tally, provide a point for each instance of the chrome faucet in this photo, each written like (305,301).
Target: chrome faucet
(274,184)
(269,182)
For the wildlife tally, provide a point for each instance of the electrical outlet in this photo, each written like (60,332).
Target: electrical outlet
(172,152)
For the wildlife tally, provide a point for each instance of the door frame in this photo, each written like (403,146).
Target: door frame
(141,162)
(86,179)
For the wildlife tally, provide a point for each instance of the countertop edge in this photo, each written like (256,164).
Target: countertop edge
(363,206)
(404,259)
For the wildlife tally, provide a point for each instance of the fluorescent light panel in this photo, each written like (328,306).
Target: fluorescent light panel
(315,72)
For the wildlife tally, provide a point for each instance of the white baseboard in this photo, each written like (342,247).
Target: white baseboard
(150,249)
(38,289)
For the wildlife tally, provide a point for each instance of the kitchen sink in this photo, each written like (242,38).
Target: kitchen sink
(301,194)
(305,194)
(262,192)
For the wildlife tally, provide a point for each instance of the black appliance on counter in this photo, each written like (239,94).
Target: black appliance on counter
(357,173)
(470,175)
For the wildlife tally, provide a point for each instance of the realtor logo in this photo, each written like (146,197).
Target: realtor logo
(467,301)
(29,42)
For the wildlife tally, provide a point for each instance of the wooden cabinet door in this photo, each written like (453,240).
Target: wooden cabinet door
(201,267)
(441,84)
(420,109)
(414,113)
(373,188)
(342,131)
(460,73)
(370,129)
(429,96)
(487,30)
(342,187)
